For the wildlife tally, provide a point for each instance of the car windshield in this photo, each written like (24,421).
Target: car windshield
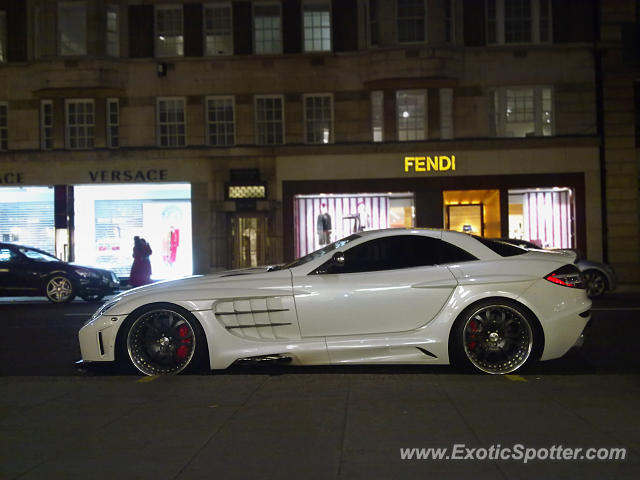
(323,251)
(37,255)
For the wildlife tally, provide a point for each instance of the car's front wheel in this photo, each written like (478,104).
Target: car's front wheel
(595,282)
(59,289)
(495,336)
(163,339)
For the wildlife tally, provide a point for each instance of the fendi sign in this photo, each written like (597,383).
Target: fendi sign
(148,175)
(440,163)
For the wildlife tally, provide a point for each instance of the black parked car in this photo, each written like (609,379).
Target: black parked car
(26,271)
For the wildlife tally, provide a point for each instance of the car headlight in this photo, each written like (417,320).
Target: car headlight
(84,273)
(103,309)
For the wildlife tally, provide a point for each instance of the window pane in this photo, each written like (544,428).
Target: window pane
(267,34)
(80,124)
(411,114)
(317,27)
(169,35)
(411,20)
(72,30)
(171,124)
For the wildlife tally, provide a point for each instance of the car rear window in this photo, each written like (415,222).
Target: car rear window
(503,249)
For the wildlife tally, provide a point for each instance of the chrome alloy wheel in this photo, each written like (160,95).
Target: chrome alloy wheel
(161,342)
(497,339)
(59,289)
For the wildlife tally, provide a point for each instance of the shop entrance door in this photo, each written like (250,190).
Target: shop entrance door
(248,234)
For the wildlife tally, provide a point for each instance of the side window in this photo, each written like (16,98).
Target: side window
(399,251)
(6,255)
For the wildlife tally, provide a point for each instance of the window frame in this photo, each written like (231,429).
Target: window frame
(256,122)
(112,38)
(211,5)
(160,124)
(376,93)
(109,125)
(327,4)
(3,36)
(157,34)
(208,123)
(253,29)
(78,5)
(68,126)
(499,30)
(424,25)
(46,129)
(499,124)
(425,120)
(372,22)
(307,120)
(450,22)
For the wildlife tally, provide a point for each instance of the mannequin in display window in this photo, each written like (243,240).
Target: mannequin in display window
(324,226)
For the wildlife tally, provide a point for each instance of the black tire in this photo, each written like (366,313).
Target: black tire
(162,339)
(495,336)
(59,289)
(595,282)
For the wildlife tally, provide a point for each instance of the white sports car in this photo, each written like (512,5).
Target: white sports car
(389,296)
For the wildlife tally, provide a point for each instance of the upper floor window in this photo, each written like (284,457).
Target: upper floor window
(80,121)
(377,115)
(316,19)
(218,29)
(72,29)
(518,21)
(169,34)
(46,124)
(269,110)
(171,122)
(523,112)
(411,17)
(113,31)
(318,116)
(4,126)
(449,21)
(220,121)
(113,123)
(373,33)
(3,36)
(411,114)
(267,28)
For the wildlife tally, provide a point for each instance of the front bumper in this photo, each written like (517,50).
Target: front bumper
(98,338)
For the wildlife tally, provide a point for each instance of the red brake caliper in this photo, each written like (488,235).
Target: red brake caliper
(183,350)
(473,325)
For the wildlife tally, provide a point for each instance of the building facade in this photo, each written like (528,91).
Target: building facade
(240,133)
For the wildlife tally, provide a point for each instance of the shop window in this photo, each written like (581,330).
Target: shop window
(269,111)
(318,115)
(169,31)
(543,216)
(476,212)
(446,113)
(4,126)
(218,29)
(72,29)
(377,116)
(518,21)
(220,121)
(411,114)
(267,29)
(316,24)
(171,122)
(46,124)
(411,18)
(27,217)
(322,219)
(522,112)
(3,36)
(113,31)
(113,123)
(80,122)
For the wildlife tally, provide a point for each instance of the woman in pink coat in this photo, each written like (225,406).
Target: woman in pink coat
(141,268)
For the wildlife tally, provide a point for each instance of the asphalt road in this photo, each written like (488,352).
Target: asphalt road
(58,421)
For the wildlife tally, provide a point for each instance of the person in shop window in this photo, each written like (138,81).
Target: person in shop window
(141,268)
(324,226)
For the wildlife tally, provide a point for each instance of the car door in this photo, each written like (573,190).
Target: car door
(389,284)
(16,276)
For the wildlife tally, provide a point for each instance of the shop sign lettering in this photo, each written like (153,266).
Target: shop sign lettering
(150,175)
(440,163)
(11,178)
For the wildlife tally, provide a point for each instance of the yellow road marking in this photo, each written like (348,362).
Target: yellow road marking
(515,378)
(148,379)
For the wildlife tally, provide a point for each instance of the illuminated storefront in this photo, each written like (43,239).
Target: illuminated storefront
(27,217)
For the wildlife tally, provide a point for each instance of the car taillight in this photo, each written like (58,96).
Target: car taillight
(567,276)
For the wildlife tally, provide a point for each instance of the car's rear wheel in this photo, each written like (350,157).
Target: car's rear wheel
(596,283)
(163,339)
(495,336)
(59,289)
